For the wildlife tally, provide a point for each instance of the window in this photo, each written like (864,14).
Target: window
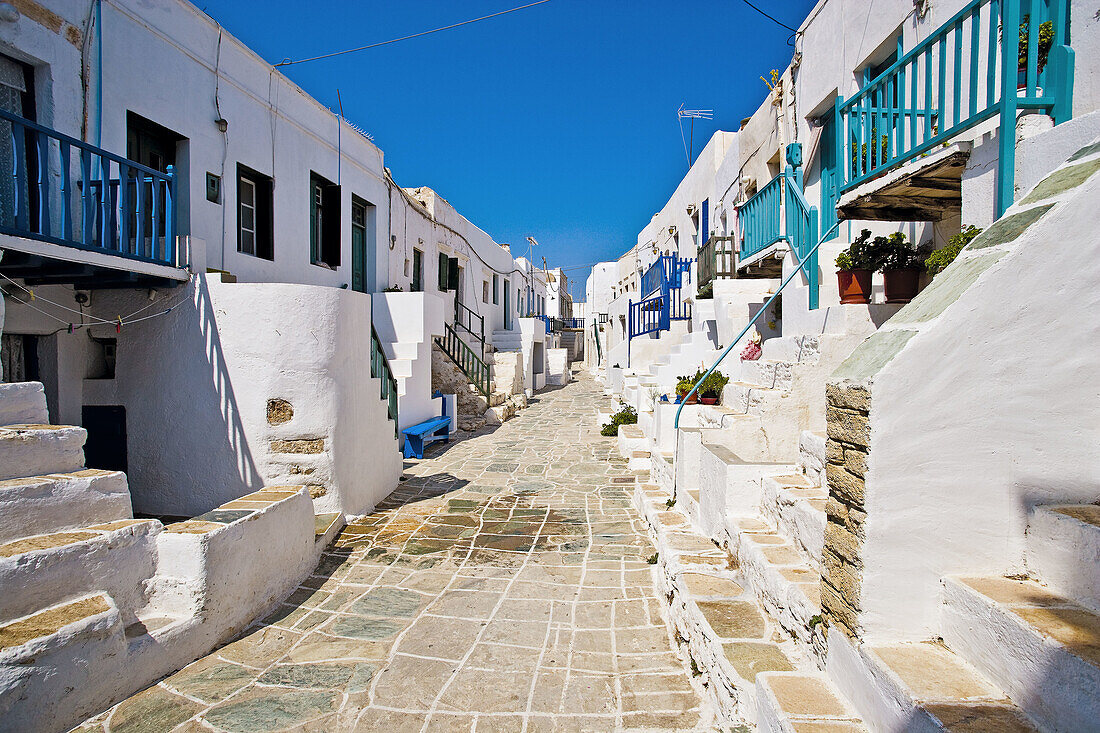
(254,212)
(418,271)
(496,283)
(324,222)
(484,291)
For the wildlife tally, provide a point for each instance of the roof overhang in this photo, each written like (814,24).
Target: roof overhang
(925,189)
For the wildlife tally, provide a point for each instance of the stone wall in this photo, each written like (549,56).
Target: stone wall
(847,413)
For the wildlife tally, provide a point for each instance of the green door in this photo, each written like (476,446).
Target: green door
(507,309)
(358,247)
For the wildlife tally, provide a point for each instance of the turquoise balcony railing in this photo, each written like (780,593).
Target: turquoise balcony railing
(65,191)
(761,219)
(966,72)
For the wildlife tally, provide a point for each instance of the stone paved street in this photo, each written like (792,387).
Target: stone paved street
(503,586)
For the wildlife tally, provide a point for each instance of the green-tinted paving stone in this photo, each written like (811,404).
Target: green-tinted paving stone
(152,711)
(1009,228)
(320,675)
(268,710)
(388,602)
(369,629)
(211,680)
(462,505)
(1062,180)
(223,516)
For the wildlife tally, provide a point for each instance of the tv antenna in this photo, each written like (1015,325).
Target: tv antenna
(691,114)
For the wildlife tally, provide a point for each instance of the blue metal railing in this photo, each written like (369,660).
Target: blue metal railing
(760,219)
(654,277)
(937,90)
(801,231)
(74,194)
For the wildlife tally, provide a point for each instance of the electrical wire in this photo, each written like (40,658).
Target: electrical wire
(288,61)
(772,19)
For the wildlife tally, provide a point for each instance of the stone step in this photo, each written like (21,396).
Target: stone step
(729,485)
(22,403)
(38,449)
(797,508)
(631,438)
(639,460)
(47,569)
(769,373)
(1063,551)
(43,504)
(751,398)
(811,456)
(326,524)
(1042,649)
(924,686)
(798,702)
(784,583)
(805,349)
(64,647)
(725,632)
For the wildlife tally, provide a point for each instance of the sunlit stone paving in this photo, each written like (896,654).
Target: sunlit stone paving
(502,586)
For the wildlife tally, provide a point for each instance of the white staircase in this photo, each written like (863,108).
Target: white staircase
(95,604)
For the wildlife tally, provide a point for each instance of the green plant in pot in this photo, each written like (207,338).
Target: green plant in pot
(901,265)
(684,385)
(855,266)
(1043,44)
(711,389)
(945,255)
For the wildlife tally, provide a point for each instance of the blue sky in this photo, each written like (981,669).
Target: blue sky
(558,121)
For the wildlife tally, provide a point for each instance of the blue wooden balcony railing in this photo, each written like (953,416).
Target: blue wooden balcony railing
(966,72)
(68,192)
(664,302)
(760,219)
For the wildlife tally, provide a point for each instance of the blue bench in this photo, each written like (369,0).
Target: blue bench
(417,436)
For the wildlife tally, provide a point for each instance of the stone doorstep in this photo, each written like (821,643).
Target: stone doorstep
(804,702)
(322,523)
(54,540)
(76,618)
(234,511)
(1050,616)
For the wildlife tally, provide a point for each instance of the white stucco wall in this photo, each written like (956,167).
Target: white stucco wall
(987,410)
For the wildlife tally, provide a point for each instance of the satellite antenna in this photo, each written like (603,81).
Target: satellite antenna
(691,114)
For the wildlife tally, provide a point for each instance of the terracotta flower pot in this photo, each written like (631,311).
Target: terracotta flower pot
(901,285)
(709,400)
(855,286)
(692,401)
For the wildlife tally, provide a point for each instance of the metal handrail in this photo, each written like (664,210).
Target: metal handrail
(466,359)
(728,349)
(380,369)
(461,309)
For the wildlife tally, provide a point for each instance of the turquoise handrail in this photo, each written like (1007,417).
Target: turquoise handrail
(761,218)
(745,330)
(936,90)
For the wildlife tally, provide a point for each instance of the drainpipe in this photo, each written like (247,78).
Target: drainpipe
(99,73)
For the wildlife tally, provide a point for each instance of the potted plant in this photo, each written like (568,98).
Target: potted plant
(901,266)
(712,386)
(1042,52)
(855,266)
(945,255)
(683,386)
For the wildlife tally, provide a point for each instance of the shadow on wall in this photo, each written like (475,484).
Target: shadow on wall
(188,448)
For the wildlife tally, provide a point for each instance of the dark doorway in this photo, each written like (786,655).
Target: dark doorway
(19,357)
(106,446)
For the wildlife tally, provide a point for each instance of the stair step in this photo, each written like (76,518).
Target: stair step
(786,585)
(44,570)
(322,523)
(22,403)
(1042,649)
(72,647)
(769,373)
(37,450)
(43,504)
(1063,550)
(937,690)
(797,702)
(797,507)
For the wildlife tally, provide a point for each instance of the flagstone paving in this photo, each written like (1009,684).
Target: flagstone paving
(502,586)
